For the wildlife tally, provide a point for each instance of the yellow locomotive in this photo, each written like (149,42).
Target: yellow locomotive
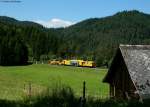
(79,63)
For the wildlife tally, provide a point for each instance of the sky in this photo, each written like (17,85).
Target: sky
(63,13)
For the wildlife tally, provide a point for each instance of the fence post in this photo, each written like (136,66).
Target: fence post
(29,91)
(83,97)
(24,87)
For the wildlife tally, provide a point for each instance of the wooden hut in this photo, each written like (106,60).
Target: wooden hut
(129,73)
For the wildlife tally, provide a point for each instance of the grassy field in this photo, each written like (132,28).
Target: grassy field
(14,81)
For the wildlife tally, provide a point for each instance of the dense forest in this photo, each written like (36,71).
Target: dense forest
(93,39)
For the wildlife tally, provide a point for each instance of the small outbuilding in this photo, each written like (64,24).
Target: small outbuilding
(129,73)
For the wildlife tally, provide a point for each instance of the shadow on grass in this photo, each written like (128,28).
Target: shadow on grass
(64,97)
(9,65)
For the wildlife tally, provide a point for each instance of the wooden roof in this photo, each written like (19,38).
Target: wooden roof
(137,61)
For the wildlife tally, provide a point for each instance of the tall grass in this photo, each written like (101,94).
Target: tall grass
(63,96)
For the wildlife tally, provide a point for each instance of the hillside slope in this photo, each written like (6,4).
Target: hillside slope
(93,39)
(99,37)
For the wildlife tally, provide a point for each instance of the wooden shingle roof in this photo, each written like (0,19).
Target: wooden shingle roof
(137,60)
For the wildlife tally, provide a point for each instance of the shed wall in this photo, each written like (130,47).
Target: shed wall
(121,85)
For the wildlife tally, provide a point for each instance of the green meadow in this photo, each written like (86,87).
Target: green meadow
(15,80)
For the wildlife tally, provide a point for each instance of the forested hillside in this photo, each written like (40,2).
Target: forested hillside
(93,39)
(99,38)
(34,37)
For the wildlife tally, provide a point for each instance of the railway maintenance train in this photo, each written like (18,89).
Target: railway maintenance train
(79,63)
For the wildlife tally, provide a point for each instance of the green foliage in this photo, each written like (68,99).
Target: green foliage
(13,51)
(99,38)
(58,97)
(95,39)
(37,39)
(64,97)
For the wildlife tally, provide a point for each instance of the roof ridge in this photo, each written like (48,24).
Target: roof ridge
(124,46)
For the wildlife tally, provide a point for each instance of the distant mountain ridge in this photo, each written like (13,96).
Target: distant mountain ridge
(93,39)
(6,19)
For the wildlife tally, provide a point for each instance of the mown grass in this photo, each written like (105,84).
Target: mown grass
(14,80)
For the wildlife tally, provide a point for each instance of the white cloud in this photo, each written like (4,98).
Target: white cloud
(55,23)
